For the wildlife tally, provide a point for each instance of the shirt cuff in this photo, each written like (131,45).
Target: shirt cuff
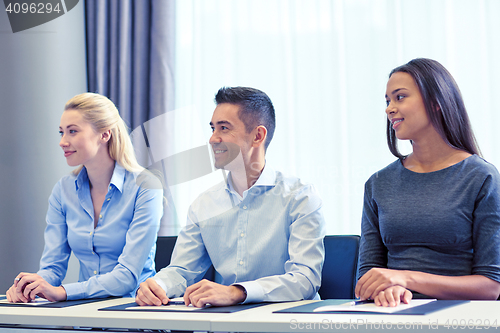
(74,291)
(160,283)
(254,291)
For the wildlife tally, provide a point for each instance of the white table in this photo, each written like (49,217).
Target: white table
(471,316)
(87,315)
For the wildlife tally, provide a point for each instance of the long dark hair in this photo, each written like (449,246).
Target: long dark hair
(443,103)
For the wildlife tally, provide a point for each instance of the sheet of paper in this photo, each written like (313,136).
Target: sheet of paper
(371,307)
(175,307)
(35,302)
(164,307)
(177,300)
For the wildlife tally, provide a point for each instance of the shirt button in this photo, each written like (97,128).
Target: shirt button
(241,262)
(110,187)
(109,199)
(95,272)
(244,207)
(93,252)
(90,233)
(100,216)
(242,234)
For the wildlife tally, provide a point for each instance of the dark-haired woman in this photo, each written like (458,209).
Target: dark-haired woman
(431,219)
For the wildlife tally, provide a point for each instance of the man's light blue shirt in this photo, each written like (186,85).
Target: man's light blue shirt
(270,241)
(115,256)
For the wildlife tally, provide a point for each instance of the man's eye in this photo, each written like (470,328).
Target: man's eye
(224,128)
(213,129)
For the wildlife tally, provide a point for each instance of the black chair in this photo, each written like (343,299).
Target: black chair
(338,278)
(165,247)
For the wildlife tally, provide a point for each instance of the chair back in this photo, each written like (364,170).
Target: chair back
(338,278)
(164,248)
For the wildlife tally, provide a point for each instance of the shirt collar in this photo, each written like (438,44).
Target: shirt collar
(82,178)
(266,178)
(117,179)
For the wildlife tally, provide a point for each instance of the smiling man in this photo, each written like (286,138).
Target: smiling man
(262,231)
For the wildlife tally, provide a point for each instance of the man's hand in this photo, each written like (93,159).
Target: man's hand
(392,296)
(208,292)
(27,286)
(378,279)
(150,293)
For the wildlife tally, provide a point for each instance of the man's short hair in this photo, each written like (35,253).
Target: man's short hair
(255,108)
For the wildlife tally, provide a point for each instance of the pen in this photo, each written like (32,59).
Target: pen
(359,302)
(175,303)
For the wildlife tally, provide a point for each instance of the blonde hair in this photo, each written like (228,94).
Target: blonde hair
(103,115)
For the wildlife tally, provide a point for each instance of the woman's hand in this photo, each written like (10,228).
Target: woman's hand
(392,296)
(377,280)
(27,286)
(13,296)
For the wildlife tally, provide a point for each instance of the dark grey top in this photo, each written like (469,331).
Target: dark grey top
(445,222)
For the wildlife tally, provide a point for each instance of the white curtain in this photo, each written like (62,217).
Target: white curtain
(325,64)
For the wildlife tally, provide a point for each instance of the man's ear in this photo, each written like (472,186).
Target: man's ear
(105,136)
(260,135)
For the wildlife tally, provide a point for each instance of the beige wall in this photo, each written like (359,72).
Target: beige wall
(40,69)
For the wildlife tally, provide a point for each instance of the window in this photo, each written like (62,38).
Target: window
(325,64)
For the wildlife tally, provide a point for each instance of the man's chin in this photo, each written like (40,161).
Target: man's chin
(228,162)
(220,164)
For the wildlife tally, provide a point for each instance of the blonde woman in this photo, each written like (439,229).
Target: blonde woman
(102,212)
